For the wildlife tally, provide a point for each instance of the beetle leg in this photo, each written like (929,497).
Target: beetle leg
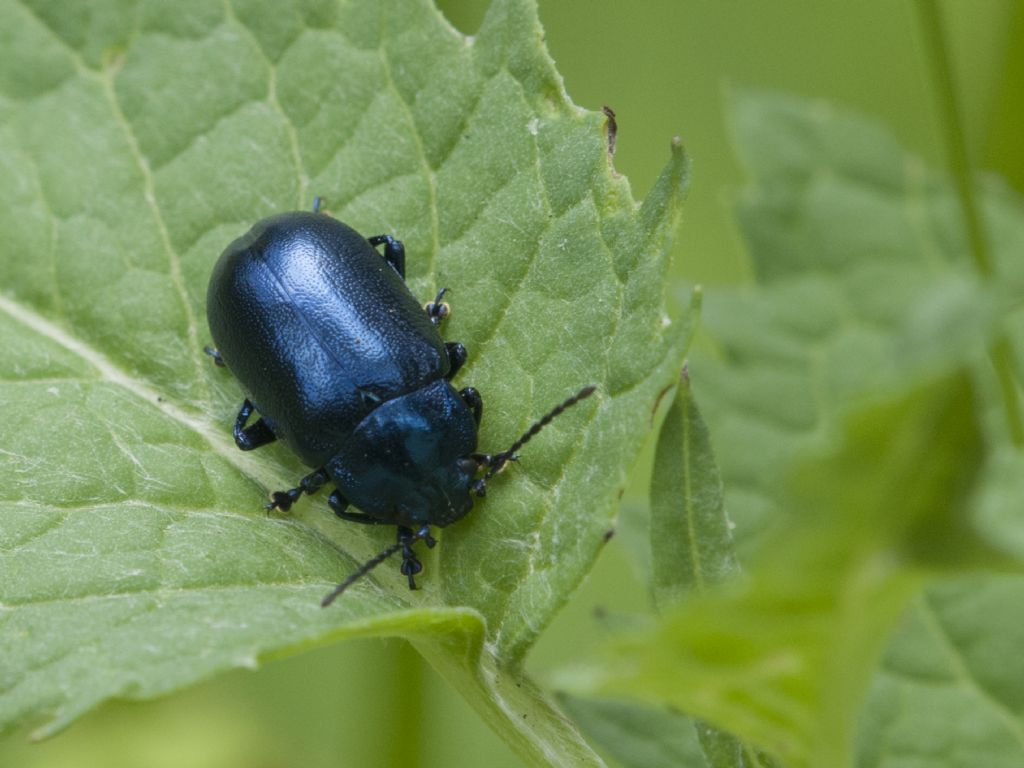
(457,356)
(438,309)
(394,252)
(339,505)
(476,404)
(253,436)
(495,462)
(410,563)
(311,483)
(217,359)
(359,517)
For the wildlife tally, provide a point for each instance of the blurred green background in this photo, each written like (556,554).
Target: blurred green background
(664,67)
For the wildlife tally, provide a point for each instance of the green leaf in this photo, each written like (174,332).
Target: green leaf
(865,291)
(949,690)
(691,543)
(865,285)
(643,736)
(690,548)
(136,141)
(782,658)
(637,735)
(864,449)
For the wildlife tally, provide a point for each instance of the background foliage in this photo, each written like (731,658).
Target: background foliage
(661,66)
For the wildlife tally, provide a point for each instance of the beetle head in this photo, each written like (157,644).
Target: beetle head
(406,461)
(438,492)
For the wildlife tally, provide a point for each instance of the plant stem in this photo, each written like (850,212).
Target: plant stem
(956,145)
(1001,352)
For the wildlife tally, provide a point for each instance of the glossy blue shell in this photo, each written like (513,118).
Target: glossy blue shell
(322,332)
(318,328)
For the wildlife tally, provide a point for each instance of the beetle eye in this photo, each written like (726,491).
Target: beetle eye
(467,466)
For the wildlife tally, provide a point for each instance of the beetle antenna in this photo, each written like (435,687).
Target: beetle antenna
(376,560)
(361,571)
(499,460)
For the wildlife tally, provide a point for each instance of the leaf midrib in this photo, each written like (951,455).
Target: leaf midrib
(109,372)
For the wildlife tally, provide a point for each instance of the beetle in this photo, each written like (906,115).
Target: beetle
(343,365)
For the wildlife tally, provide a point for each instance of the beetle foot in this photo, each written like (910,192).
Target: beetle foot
(438,310)
(410,567)
(311,483)
(410,563)
(283,500)
(218,360)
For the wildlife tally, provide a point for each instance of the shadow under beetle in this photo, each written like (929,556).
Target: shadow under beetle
(346,368)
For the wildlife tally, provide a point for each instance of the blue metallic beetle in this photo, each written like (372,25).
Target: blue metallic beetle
(346,368)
